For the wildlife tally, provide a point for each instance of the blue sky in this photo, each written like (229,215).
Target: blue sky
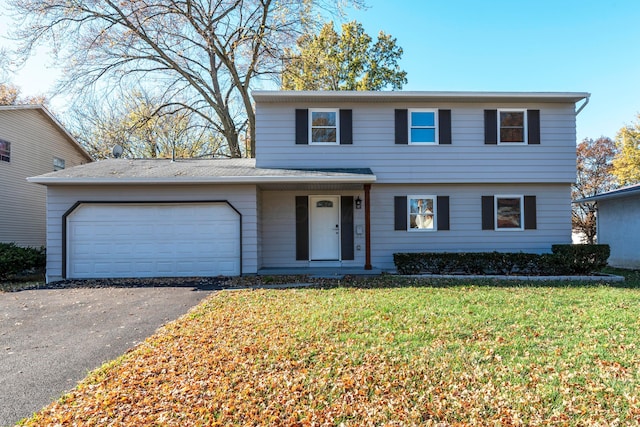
(494,45)
(562,45)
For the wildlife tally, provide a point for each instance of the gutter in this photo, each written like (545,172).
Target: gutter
(212,180)
(584,104)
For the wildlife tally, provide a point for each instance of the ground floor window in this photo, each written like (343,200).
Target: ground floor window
(508,212)
(422,212)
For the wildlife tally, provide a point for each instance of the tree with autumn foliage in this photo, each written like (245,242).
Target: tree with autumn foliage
(594,175)
(10,95)
(626,164)
(346,61)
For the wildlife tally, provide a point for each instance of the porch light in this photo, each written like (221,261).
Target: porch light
(358,203)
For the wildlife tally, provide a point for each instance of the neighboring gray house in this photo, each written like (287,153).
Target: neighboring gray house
(32,142)
(618,222)
(340,179)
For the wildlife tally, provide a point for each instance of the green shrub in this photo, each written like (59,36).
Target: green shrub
(564,260)
(582,259)
(15,259)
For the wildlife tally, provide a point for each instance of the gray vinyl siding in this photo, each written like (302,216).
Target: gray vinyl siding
(35,141)
(466,234)
(618,227)
(61,198)
(466,160)
(279,229)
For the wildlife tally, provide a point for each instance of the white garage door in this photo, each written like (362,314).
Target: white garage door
(153,240)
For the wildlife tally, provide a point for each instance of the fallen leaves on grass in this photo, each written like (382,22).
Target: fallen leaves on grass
(353,357)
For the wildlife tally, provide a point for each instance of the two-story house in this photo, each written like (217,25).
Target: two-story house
(340,179)
(32,142)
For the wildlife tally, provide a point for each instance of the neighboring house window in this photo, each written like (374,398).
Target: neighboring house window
(422,126)
(421,213)
(509,213)
(513,127)
(5,151)
(58,164)
(324,126)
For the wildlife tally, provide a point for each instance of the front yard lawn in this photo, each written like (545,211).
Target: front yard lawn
(452,355)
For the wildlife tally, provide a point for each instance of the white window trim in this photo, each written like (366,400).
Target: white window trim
(525,134)
(8,152)
(435,213)
(435,125)
(495,211)
(59,161)
(324,110)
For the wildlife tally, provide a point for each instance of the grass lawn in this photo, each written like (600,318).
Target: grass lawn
(30,281)
(388,351)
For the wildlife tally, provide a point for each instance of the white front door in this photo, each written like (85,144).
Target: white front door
(324,228)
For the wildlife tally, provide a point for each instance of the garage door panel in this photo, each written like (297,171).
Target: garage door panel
(147,240)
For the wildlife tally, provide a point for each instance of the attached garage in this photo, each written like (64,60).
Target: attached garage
(116,240)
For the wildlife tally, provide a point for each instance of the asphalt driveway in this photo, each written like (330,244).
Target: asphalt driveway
(51,338)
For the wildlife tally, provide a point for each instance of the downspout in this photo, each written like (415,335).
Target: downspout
(586,101)
(367,227)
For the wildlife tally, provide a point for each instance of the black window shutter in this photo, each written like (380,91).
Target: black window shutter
(346,132)
(443,212)
(400,208)
(488,214)
(530,213)
(302,126)
(402,127)
(533,126)
(346,224)
(490,126)
(444,126)
(302,228)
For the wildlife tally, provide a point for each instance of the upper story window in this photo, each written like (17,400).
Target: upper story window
(422,213)
(324,126)
(422,126)
(58,164)
(5,151)
(513,126)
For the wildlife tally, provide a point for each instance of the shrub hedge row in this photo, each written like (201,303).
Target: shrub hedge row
(564,260)
(15,259)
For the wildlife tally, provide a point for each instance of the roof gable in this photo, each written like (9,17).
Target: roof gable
(51,119)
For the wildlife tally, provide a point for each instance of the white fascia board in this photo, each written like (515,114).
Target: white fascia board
(390,96)
(628,191)
(362,179)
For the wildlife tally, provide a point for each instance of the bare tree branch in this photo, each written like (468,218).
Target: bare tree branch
(207,54)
